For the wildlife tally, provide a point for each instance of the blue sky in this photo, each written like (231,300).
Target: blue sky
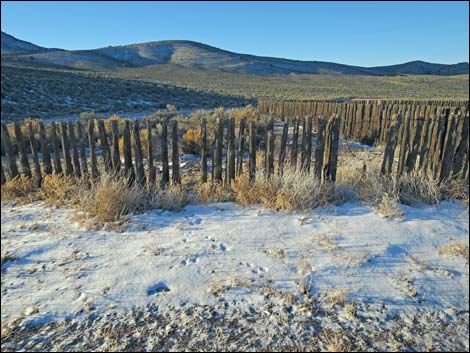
(356,33)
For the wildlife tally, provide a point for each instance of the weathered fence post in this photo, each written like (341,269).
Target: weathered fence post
(65,149)
(3,174)
(413,154)
(448,152)
(9,153)
(175,158)
(270,148)
(404,146)
(203,150)
(252,151)
(115,155)
(46,156)
(241,143)
(164,147)
(389,152)
(22,150)
(81,140)
(308,144)
(34,152)
(127,151)
(231,151)
(73,143)
(282,152)
(295,144)
(104,146)
(460,153)
(91,145)
(218,148)
(330,157)
(320,147)
(139,163)
(150,153)
(55,148)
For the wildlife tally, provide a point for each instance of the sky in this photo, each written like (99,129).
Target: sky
(354,33)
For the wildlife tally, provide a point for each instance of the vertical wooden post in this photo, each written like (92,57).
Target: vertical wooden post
(91,145)
(230,151)
(164,147)
(81,141)
(4,179)
(127,150)
(55,148)
(295,146)
(282,152)
(304,139)
(139,162)
(22,151)
(252,151)
(308,144)
(104,146)
(404,146)
(448,152)
(65,149)
(175,156)
(115,155)
(203,150)
(460,153)
(9,153)
(138,156)
(320,147)
(241,143)
(150,154)
(46,156)
(73,144)
(34,152)
(219,149)
(270,148)
(333,163)
(389,152)
(414,148)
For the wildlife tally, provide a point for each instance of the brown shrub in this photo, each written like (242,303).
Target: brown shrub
(20,189)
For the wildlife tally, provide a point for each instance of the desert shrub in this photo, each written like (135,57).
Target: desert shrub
(249,112)
(293,190)
(111,198)
(213,192)
(172,198)
(20,189)
(388,207)
(191,141)
(420,189)
(61,189)
(456,249)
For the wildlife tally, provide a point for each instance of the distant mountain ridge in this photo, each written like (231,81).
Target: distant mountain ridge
(197,55)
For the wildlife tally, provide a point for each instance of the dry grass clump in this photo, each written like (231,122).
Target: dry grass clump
(21,189)
(191,141)
(293,190)
(456,249)
(111,198)
(213,192)
(172,198)
(388,207)
(420,189)
(61,189)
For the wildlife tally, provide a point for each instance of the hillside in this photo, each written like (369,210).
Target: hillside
(11,44)
(197,55)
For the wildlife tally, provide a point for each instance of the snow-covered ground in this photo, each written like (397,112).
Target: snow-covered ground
(346,257)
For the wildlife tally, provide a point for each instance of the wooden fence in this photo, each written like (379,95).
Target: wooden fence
(432,139)
(431,136)
(99,146)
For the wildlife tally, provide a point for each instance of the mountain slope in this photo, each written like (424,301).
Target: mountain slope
(11,44)
(197,55)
